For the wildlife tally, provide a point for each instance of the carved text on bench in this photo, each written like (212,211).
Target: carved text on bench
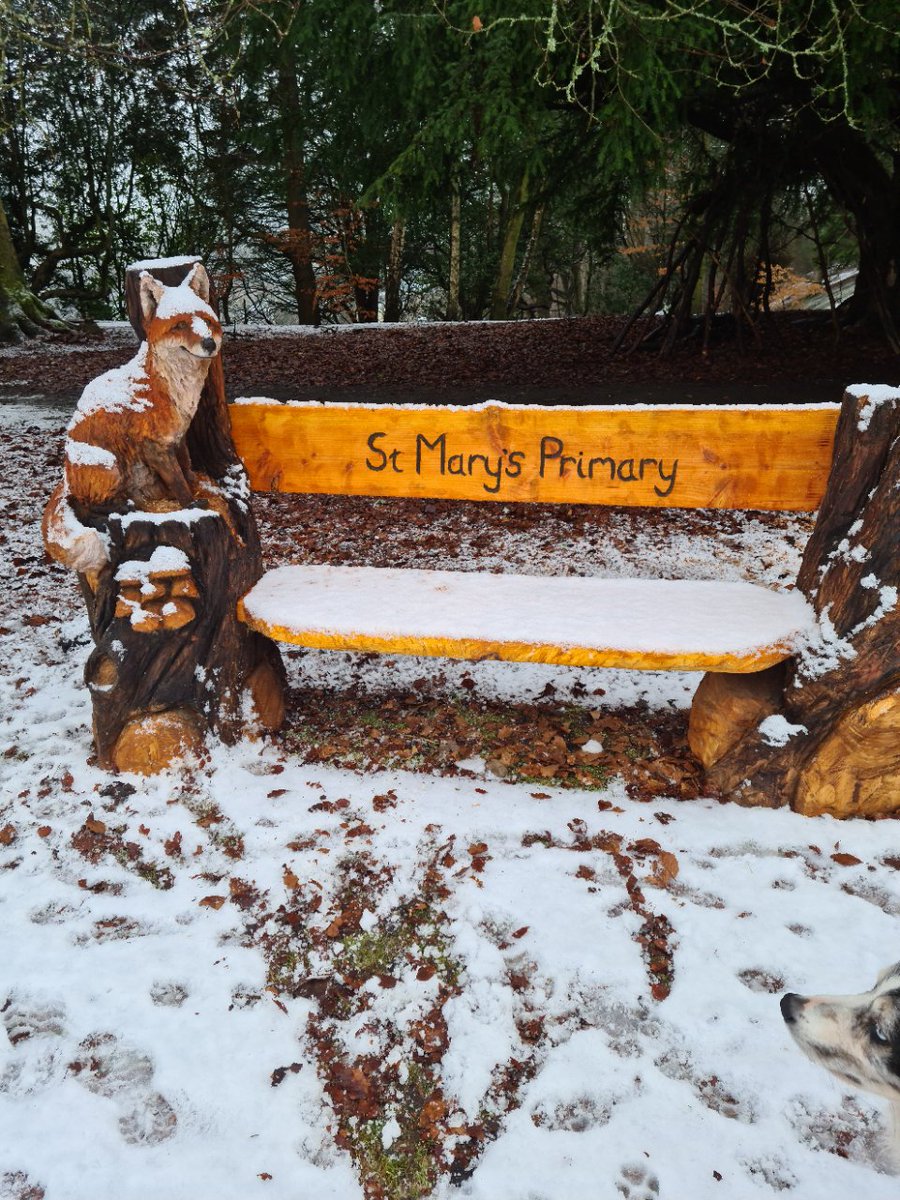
(552,460)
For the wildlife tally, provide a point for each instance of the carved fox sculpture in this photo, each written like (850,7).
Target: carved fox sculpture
(125,442)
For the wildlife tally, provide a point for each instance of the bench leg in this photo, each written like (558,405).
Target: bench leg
(825,736)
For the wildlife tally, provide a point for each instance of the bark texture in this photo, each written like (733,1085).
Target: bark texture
(171,661)
(22,313)
(297,242)
(841,698)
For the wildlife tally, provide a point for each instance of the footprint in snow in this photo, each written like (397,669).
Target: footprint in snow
(123,1074)
(676,1063)
(637,1182)
(37,1055)
(168,994)
(34,1028)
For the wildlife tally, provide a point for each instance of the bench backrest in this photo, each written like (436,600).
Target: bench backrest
(709,456)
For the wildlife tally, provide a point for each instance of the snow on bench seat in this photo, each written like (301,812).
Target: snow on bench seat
(640,624)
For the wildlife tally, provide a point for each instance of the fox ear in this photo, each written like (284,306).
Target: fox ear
(198,281)
(151,294)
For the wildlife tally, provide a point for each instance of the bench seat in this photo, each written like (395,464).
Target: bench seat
(637,624)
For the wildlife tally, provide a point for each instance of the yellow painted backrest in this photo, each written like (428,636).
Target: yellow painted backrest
(711,456)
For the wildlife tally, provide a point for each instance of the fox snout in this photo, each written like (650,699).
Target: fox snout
(197,336)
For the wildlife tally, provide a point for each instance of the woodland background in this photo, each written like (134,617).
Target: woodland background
(456,159)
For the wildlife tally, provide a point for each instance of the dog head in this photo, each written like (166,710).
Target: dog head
(857,1038)
(179,320)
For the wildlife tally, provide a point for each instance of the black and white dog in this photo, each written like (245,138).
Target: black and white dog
(857,1038)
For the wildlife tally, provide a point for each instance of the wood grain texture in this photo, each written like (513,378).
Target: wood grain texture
(691,457)
(478,649)
(855,770)
(840,695)
(726,707)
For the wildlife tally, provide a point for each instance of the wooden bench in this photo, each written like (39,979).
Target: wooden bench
(800,704)
(775,458)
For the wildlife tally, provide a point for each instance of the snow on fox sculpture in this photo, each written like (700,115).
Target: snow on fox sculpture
(125,443)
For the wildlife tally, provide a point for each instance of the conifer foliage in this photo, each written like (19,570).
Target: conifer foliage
(451,158)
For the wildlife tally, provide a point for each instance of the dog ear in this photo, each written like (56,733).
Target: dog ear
(151,294)
(198,281)
(888,973)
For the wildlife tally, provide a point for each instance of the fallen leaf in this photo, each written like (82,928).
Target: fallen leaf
(432,1112)
(664,870)
(846,860)
(7,835)
(212,901)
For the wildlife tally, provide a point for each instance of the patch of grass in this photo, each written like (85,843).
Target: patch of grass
(374,952)
(414,936)
(594,776)
(406,1171)
(288,965)
(159,876)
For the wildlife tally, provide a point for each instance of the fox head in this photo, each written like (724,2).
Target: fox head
(179,320)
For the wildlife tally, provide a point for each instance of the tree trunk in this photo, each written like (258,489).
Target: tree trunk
(22,314)
(298,242)
(835,743)
(522,277)
(454,311)
(394,271)
(500,298)
(861,183)
(171,661)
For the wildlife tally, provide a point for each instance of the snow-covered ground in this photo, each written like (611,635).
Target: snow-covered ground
(235,981)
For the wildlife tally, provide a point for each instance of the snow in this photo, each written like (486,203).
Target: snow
(645,615)
(165,560)
(486,405)
(185,516)
(117,390)
(778,731)
(84,454)
(875,394)
(125,1005)
(149,264)
(83,543)
(183,301)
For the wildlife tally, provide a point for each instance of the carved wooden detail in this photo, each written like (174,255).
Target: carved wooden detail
(154,514)
(687,457)
(830,740)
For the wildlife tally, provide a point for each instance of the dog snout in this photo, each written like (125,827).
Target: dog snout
(208,345)
(791,1004)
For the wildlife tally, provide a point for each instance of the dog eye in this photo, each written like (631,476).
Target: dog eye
(877,1034)
(182,325)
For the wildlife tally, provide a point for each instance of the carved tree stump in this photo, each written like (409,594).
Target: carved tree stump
(171,661)
(827,738)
